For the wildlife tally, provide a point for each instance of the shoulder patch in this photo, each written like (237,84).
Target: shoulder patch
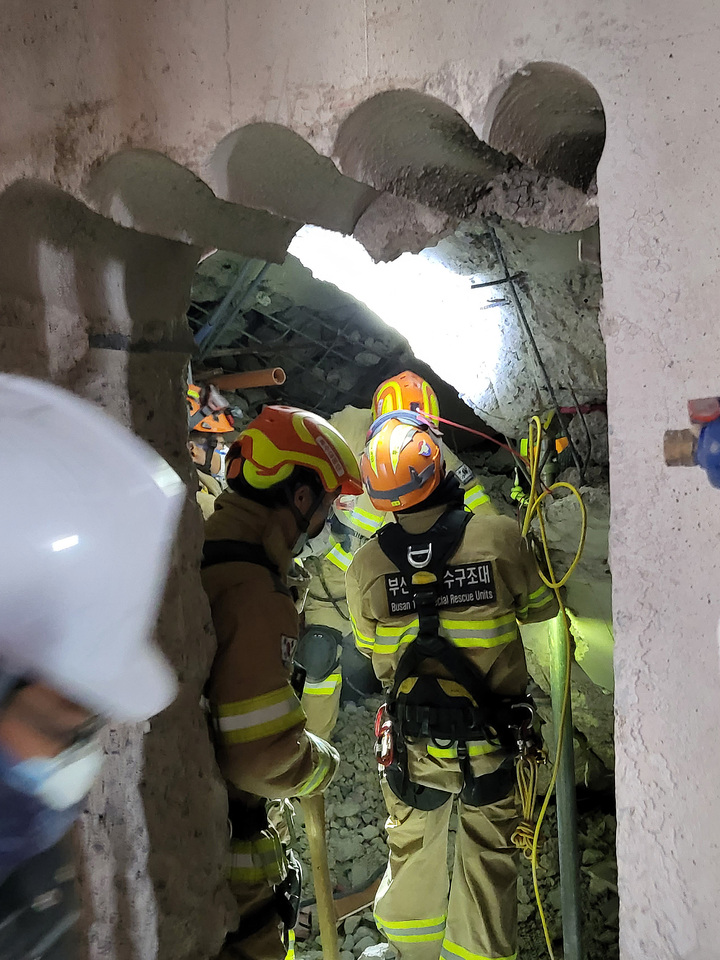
(463,473)
(287,650)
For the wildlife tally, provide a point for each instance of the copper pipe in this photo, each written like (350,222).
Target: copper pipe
(272,377)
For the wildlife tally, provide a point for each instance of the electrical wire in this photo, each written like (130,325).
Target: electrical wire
(511,287)
(527,780)
(478,433)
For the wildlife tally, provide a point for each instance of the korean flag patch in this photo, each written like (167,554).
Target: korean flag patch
(287,650)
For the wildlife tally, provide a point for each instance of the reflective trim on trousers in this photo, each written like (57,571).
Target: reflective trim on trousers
(323,688)
(412,931)
(243,721)
(452,951)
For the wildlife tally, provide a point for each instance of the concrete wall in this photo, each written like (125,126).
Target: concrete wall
(82,80)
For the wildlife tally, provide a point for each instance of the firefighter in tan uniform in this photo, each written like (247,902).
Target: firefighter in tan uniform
(435,600)
(283,473)
(405,391)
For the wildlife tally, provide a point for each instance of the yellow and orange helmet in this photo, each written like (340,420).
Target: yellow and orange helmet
(208,412)
(406,391)
(403,461)
(282,438)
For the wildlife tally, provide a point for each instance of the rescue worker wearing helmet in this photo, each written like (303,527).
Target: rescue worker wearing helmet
(209,422)
(326,613)
(283,473)
(435,600)
(69,662)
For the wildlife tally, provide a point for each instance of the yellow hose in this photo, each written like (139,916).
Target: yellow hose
(527,780)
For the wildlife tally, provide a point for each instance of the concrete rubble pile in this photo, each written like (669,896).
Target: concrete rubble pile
(357,850)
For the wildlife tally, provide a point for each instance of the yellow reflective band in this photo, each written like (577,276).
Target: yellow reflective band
(476,748)
(246,720)
(339,557)
(389,639)
(463,633)
(480,633)
(412,931)
(536,601)
(476,496)
(259,860)
(360,638)
(362,520)
(451,951)
(317,776)
(323,688)
(541,601)
(290,955)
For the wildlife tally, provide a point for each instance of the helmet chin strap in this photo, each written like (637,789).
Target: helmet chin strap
(209,446)
(303,520)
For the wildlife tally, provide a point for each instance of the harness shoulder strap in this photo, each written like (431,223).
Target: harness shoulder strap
(430,552)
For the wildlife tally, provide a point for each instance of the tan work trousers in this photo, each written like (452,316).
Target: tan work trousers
(266,943)
(476,918)
(322,708)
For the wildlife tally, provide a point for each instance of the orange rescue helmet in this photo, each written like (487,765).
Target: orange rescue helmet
(406,391)
(208,411)
(403,461)
(283,438)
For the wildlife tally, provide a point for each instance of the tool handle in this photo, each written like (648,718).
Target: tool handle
(314,812)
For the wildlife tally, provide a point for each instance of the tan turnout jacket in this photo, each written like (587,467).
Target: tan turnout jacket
(487,632)
(264,749)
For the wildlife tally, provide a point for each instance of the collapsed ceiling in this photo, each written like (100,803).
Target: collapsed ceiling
(335,350)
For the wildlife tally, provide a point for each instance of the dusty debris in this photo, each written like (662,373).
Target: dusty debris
(356,814)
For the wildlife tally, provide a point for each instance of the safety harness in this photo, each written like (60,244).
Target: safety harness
(417,706)
(247,822)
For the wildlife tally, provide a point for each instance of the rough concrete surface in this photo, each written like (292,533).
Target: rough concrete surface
(83,80)
(100,309)
(561,300)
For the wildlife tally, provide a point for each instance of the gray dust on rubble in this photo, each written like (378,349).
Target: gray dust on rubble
(357,852)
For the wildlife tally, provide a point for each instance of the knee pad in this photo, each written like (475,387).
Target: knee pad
(318,652)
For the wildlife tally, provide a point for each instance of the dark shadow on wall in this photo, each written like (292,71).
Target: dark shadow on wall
(552,118)
(101,309)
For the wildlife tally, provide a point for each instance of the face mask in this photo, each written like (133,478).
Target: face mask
(317,546)
(58,782)
(40,798)
(300,544)
(29,823)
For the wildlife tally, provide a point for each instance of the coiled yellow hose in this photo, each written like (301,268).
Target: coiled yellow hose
(527,836)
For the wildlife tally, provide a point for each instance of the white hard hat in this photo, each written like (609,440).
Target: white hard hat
(85,536)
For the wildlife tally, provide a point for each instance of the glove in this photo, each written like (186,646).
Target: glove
(326,760)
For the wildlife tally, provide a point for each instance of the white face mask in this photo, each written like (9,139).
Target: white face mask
(319,546)
(62,781)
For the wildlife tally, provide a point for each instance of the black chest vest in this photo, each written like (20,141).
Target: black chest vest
(417,704)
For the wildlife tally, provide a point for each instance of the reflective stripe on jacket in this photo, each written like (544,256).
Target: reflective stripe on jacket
(486,631)
(263,748)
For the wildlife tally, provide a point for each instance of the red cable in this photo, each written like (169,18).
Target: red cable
(479,433)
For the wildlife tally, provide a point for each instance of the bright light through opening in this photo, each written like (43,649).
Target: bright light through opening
(65,543)
(435,309)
